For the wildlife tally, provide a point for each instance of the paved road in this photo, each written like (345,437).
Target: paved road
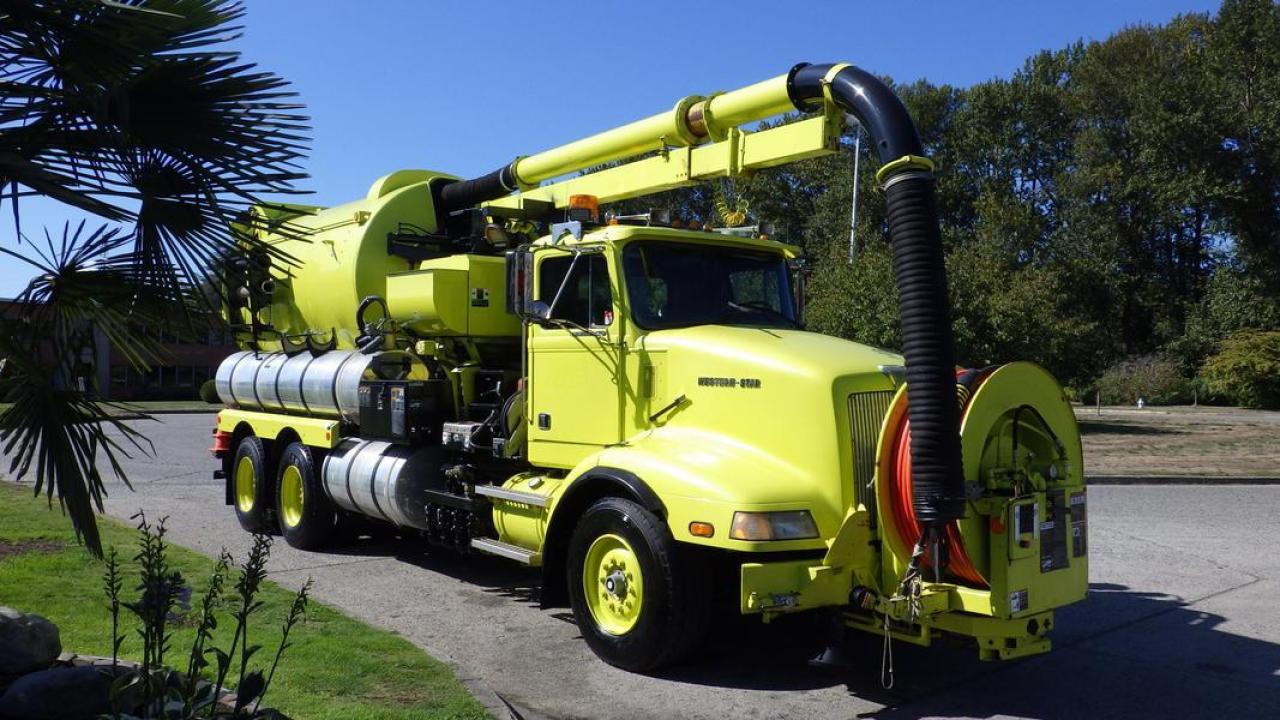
(1181,620)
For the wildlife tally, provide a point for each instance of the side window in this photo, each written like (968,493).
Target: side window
(587,299)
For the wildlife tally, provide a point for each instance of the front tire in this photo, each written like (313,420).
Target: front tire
(639,600)
(253,494)
(307,518)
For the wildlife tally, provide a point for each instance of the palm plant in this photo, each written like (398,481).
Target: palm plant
(134,111)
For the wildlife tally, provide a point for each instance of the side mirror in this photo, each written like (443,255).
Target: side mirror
(539,310)
(520,282)
(799,279)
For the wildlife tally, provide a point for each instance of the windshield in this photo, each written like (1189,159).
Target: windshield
(674,285)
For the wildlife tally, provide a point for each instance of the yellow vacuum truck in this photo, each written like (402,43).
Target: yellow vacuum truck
(494,367)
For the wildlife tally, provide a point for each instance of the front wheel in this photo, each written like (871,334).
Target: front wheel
(640,601)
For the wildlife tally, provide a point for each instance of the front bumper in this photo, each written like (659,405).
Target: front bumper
(776,588)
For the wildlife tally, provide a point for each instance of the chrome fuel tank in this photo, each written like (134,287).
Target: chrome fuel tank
(326,385)
(382,480)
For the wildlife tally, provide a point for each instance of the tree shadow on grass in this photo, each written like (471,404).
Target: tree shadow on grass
(1090,427)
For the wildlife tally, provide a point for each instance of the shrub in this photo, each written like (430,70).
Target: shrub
(1246,369)
(152,690)
(1156,379)
(209,392)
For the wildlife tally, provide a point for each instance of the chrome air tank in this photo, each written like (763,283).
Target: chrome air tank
(326,385)
(382,480)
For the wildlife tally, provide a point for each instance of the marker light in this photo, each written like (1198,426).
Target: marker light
(785,525)
(701,529)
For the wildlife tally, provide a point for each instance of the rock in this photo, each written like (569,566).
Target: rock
(63,693)
(29,642)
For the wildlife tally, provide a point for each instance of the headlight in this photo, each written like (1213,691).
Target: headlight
(785,525)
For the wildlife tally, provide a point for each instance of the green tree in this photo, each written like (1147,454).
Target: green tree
(137,112)
(1247,369)
(1243,49)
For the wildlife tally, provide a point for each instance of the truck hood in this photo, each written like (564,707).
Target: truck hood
(793,353)
(762,419)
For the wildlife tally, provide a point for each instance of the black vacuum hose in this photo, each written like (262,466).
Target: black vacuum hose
(460,194)
(925,313)
(921,276)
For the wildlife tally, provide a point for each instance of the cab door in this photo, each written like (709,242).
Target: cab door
(574,360)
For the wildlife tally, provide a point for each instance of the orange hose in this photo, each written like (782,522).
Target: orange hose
(901,496)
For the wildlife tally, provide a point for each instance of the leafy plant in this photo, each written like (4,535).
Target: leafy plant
(1246,370)
(1156,379)
(153,689)
(137,112)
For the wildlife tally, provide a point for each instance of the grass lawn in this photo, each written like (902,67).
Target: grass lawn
(1180,441)
(335,668)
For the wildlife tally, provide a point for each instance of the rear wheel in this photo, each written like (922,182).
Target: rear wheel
(307,518)
(640,602)
(253,494)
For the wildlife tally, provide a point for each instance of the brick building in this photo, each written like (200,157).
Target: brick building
(185,365)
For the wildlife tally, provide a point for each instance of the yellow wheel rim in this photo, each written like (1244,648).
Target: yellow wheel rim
(246,484)
(291,496)
(613,584)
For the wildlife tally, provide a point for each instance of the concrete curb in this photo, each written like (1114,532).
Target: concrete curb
(1180,480)
(153,414)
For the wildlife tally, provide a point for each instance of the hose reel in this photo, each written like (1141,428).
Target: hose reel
(1018,436)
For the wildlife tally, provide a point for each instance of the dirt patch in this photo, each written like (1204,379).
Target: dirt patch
(9,548)
(1199,442)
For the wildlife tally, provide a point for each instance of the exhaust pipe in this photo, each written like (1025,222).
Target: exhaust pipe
(907,179)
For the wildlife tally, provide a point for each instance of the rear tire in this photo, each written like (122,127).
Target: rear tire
(253,495)
(640,600)
(307,518)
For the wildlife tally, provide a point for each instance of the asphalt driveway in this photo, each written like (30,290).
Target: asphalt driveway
(1181,620)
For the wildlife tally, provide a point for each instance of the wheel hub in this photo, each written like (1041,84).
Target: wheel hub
(616,584)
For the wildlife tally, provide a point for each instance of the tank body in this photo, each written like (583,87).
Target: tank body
(325,385)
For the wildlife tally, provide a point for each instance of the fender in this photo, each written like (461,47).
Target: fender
(626,482)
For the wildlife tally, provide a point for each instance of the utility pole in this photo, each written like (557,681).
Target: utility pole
(853,213)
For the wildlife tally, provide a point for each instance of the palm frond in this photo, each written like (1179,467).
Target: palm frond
(52,425)
(135,111)
(87,280)
(106,106)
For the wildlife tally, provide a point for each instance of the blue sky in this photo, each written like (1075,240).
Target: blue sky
(464,87)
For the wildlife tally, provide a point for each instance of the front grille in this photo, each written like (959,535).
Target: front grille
(866,412)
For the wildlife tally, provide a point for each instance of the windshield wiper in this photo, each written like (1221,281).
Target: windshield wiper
(757,306)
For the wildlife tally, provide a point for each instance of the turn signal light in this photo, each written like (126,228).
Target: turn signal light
(701,529)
